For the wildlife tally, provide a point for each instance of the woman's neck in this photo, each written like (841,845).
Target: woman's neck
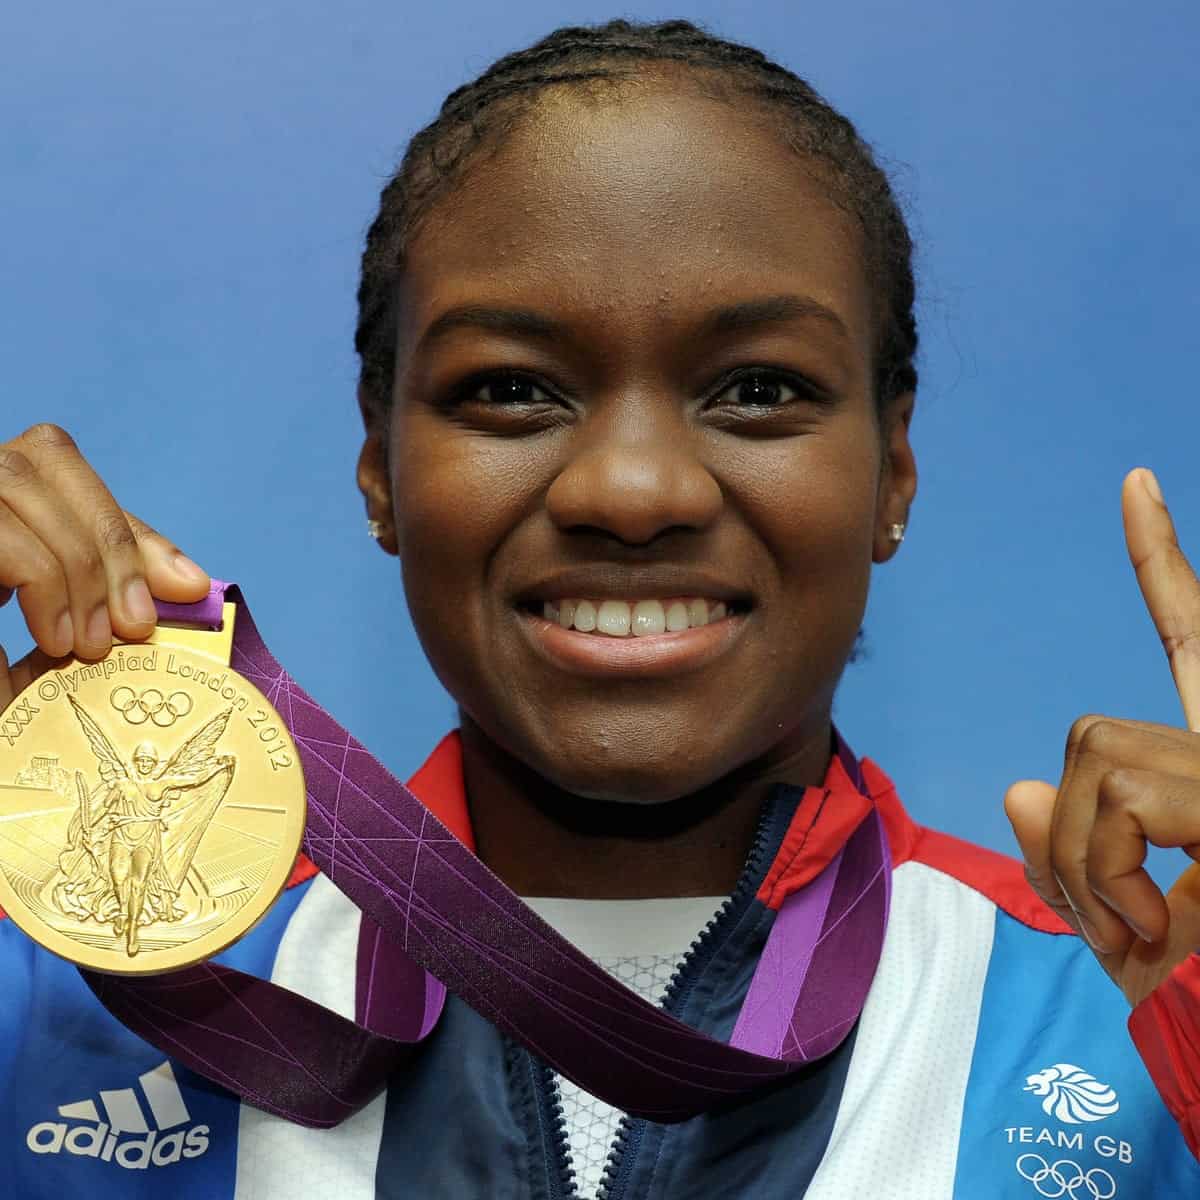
(544,841)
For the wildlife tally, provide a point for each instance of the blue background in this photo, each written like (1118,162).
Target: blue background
(185,188)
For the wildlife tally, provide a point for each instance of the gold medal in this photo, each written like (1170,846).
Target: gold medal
(151,804)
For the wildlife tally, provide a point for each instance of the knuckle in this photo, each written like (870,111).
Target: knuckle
(15,468)
(44,570)
(1079,729)
(1178,645)
(113,532)
(1097,738)
(1114,789)
(48,436)
(84,558)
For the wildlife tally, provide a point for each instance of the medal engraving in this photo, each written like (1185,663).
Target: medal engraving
(151,809)
(131,844)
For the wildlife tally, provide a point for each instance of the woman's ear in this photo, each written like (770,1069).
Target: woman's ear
(373,479)
(897,479)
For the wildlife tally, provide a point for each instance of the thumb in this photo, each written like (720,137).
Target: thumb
(1029,806)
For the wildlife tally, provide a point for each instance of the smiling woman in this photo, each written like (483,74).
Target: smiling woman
(627,433)
(637,342)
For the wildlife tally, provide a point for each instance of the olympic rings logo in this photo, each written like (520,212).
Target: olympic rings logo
(1065,1178)
(150,705)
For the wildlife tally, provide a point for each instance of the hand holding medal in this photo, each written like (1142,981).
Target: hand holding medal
(151,801)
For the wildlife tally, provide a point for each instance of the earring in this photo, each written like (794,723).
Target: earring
(896,532)
(374,529)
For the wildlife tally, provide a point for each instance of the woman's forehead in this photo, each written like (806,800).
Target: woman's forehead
(656,200)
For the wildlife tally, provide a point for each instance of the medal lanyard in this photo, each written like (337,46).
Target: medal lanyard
(442,920)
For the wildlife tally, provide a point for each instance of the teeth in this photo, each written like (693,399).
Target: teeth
(648,617)
(585,616)
(612,617)
(643,618)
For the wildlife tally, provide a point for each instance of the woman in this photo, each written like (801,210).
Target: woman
(637,342)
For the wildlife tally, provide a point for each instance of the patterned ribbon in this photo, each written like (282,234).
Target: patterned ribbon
(437,918)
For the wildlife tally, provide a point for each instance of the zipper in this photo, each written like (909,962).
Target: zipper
(553,1119)
(630,1130)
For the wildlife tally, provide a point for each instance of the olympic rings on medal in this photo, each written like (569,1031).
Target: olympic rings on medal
(1065,1178)
(150,705)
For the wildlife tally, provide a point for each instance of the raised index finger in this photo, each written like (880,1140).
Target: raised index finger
(1169,585)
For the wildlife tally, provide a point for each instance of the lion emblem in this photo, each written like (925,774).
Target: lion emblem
(1071,1095)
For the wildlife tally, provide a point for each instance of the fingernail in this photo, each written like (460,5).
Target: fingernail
(189,569)
(1150,482)
(64,634)
(99,631)
(139,605)
(1089,932)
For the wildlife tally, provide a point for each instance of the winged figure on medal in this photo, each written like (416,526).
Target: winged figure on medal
(131,842)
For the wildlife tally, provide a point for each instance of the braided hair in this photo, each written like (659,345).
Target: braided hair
(591,57)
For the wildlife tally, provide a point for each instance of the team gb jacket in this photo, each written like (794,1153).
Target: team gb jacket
(994,1059)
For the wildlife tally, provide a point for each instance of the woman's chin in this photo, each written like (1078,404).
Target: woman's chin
(639,776)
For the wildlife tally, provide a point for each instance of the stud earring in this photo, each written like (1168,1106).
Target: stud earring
(896,532)
(374,529)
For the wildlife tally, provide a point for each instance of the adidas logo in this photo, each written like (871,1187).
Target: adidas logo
(107,1139)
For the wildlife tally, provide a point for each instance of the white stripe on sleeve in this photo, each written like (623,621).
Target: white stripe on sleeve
(897,1127)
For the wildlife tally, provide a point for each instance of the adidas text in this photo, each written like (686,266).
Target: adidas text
(123,1134)
(136,1153)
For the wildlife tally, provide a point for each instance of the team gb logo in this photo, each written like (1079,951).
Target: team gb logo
(1071,1095)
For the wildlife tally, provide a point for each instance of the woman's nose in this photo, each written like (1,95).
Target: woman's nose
(634,484)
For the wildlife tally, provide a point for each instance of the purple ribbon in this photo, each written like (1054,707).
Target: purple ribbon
(436,918)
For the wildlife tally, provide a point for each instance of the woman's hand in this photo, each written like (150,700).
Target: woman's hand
(1126,784)
(82,568)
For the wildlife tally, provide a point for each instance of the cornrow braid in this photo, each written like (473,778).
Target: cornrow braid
(585,57)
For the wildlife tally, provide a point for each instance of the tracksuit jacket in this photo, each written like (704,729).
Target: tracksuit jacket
(994,1059)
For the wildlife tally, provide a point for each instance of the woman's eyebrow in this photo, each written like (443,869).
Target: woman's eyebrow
(521,321)
(731,318)
(770,310)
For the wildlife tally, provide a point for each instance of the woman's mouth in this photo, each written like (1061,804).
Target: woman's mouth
(634,618)
(647,637)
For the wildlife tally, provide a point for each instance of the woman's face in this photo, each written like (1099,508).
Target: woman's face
(635,364)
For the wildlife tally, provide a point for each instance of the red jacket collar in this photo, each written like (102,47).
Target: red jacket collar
(823,822)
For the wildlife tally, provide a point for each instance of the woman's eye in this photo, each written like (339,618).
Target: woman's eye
(506,391)
(760,389)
